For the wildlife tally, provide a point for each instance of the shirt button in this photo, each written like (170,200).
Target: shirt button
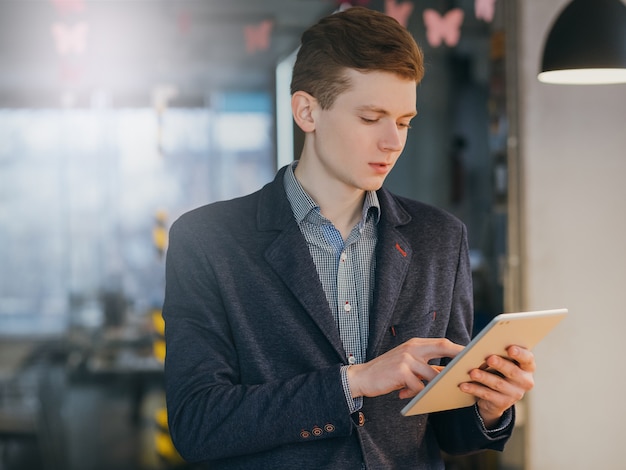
(351,360)
(344,256)
(347,307)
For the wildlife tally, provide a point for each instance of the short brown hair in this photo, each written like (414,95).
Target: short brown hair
(357,38)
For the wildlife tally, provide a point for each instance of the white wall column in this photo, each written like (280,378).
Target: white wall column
(573,154)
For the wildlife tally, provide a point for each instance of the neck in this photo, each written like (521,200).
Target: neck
(339,203)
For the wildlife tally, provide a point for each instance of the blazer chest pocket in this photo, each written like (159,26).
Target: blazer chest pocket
(429,324)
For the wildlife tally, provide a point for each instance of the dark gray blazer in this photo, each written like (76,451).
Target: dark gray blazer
(253,353)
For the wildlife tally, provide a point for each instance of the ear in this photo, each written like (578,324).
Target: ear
(302,108)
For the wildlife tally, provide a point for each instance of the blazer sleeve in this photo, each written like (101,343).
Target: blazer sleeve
(212,415)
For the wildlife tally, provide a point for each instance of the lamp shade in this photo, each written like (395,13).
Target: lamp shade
(587,44)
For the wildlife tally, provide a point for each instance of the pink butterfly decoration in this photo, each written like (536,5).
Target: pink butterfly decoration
(485,9)
(258,36)
(399,11)
(70,39)
(184,22)
(445,28)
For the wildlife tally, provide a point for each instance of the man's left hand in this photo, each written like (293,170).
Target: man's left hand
(497,392)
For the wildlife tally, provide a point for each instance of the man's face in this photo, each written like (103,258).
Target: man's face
(359,139)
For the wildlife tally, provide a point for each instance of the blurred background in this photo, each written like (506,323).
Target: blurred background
(116,116)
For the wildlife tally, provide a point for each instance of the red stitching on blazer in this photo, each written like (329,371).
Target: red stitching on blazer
(399,248)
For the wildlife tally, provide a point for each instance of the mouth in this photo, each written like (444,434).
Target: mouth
(381,167)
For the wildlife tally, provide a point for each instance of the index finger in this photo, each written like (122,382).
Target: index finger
(435,368)
(436,348)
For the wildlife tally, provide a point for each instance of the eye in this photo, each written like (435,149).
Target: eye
(368,121)
(404,125)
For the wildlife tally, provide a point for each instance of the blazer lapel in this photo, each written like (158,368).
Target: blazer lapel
(393,257)
(289,257)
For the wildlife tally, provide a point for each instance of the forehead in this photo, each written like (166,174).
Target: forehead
(379,90)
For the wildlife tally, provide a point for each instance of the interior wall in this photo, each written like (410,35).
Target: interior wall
(573,152)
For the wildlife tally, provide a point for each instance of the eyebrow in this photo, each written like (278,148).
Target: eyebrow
(376,109)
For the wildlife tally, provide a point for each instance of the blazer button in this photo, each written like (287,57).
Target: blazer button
(361,418)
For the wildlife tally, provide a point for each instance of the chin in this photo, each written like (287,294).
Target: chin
(373,186)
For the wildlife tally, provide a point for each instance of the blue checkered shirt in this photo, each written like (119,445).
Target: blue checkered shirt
(345,268)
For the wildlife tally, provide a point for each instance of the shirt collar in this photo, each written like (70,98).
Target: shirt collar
(302,204)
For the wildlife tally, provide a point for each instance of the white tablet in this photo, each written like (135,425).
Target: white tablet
(524,329)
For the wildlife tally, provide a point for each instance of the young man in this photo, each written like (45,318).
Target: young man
(300,318)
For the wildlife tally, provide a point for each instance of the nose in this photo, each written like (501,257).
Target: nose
(393,138)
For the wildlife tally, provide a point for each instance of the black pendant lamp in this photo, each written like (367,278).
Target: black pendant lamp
(587,44)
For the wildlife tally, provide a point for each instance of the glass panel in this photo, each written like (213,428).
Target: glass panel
(86,198)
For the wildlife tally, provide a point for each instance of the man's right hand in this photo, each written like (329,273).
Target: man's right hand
(403,368)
